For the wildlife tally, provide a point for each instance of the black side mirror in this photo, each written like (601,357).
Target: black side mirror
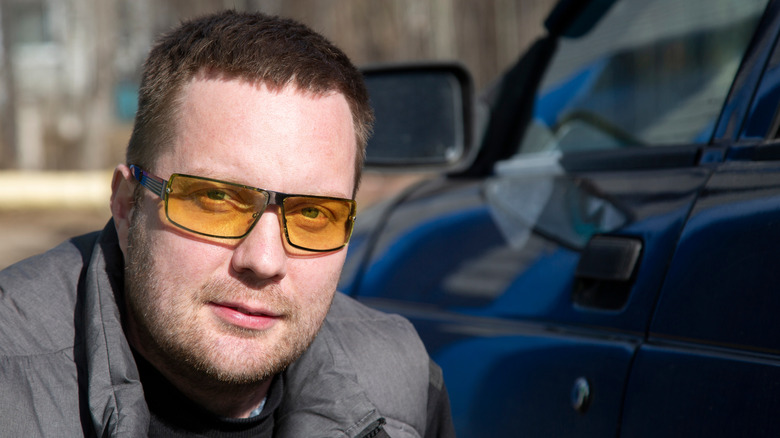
(423,117)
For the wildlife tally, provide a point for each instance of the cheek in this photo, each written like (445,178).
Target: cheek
(315,278)
(186,261)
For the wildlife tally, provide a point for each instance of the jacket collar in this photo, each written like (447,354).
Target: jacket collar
(116,400)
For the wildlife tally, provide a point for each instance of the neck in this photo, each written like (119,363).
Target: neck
(231,400)
(225,400)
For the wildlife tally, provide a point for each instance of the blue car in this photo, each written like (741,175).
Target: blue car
(596,255)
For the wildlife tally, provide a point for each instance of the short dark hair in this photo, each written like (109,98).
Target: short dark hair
(250,46)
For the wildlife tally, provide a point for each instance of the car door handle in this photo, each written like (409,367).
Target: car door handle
(604,274)
(609,258)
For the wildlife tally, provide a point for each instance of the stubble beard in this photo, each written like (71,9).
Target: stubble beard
(178,344)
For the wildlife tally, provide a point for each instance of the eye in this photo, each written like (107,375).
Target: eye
(310,212)
(216,195)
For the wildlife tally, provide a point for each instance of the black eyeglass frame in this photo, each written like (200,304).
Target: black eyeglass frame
(162,188)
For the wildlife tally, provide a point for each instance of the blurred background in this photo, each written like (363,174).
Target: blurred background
(69,74)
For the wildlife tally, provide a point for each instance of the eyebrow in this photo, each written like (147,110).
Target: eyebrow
(202,171)
(207,173)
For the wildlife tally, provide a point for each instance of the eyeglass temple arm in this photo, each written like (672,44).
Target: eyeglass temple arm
(151,182)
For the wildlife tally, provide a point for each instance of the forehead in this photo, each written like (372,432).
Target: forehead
(282,139)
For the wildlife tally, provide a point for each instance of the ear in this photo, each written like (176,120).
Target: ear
(122,188)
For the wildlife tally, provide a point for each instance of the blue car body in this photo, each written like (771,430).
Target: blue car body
(600,272)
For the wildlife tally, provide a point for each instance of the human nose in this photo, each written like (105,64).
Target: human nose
(262,251)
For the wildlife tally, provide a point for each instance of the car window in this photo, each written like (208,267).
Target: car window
(649,73)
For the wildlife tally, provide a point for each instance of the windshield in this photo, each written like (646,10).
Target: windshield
(650,73)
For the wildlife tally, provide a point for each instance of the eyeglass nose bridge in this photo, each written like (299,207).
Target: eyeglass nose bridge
(274,198)
(271,198)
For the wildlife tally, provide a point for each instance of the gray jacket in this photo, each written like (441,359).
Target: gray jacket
(66,368)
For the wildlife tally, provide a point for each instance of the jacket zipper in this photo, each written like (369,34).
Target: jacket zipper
(372,430)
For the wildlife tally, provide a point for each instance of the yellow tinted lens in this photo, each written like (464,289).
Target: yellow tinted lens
(213,208)
(318,224)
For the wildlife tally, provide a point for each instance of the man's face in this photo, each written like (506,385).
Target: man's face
(238,311)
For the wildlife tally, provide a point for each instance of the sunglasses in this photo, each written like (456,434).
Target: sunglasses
(226,210)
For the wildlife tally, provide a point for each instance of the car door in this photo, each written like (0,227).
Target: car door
(711,364)
(533,285)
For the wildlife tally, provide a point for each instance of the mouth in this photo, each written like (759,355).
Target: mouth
(245,316)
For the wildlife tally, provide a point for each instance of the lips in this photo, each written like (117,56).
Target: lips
(244,316)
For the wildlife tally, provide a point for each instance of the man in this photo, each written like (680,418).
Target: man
(201,308)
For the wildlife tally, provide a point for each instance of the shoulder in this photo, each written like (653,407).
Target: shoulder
(384,348)
(391,362)
(38,298)
(366,363)
(38,338)
(347,313)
